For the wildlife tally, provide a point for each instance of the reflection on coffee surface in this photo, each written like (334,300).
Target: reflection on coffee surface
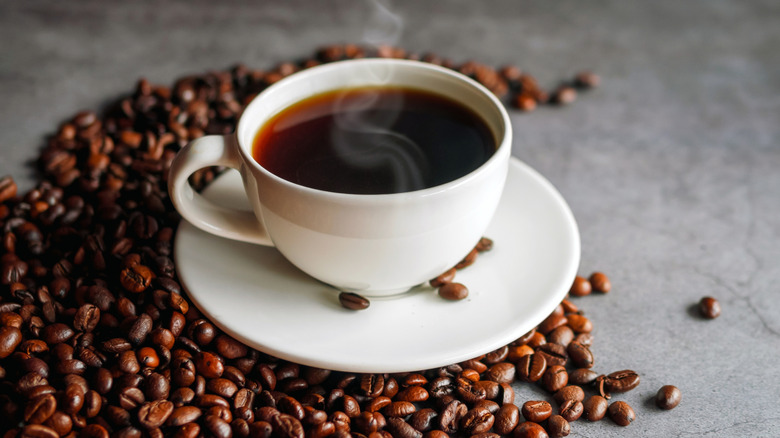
(374,140)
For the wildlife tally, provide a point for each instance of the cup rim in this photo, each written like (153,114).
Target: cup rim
(500,154)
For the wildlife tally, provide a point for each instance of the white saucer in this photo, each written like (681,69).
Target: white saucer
(254,294)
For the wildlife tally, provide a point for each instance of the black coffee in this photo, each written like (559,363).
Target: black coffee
(374,140)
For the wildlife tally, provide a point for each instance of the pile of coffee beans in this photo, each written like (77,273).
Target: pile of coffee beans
(98,339)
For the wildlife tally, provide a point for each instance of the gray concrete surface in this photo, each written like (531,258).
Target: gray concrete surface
(671,167)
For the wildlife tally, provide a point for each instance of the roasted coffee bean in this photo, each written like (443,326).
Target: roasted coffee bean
(155,414)
(446,277)
(555,378)
(571,410)
(579,323)
(7,188)
(594,408)
(40,409)
(570,392)
(353,301)
(600,282)
(580,287)
(531,368)
(56,333)
(554,354)
(399,409)
(562,335)
(86,318)
(469,260)
(582,376)
(141,327)
(529,429)
(668,397)
(423,419)
(621,413)
(372,385)
(136,278)
(536,410)
(558,427)
(502,372)
(399,428)
(485,244)
(453,291)
(587,79)
(183,415)
(507,418)
(619,381)
(209,365)
(450,416)
(709,308)
(564,95)
(477,420)
(287,426)
(552,322)
(412,394)
(580,355)
(468,392)
(10,338)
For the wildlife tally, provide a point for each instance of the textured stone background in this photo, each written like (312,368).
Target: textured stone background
(671,167)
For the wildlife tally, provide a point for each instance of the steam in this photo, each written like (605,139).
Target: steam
(364,137)
(383,27)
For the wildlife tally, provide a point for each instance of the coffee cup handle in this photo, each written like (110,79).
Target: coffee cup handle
(212,150)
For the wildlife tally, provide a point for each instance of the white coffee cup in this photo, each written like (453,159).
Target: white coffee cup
(374,245)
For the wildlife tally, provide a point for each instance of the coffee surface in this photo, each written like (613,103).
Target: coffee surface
(373,140)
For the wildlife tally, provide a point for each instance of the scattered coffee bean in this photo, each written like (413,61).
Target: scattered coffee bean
(580,287)
(595,408)
(558,427)
(453,291)
(587,79)
(600,282)
(353,301)
(536,410)
(619,381)
(529,429)
(709,308)
(621,413)
(444,278)
(668,397)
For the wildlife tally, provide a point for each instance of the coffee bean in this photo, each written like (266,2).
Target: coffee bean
(412,394)
(485,244)
(502,372)
(444,278)
(155,414)
(469,260)
(555,378)
(506,419)
(400,428)
(287,426)
(571,410)
(594,408)
(600,282)
(453,291)
(582,376)
(579,323)
(570,392)
(353,301)
(536,410)
(668,397)
(580,355)
(587,79)
(399,409)
(709,308)
(580,287)
(477,420)
(40,409)
(530,368)
(562,335)
(423,419)
(183,415)
(450,416)
(529,429)
(10,338)
(621,413)
(619,381)
(554,354)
